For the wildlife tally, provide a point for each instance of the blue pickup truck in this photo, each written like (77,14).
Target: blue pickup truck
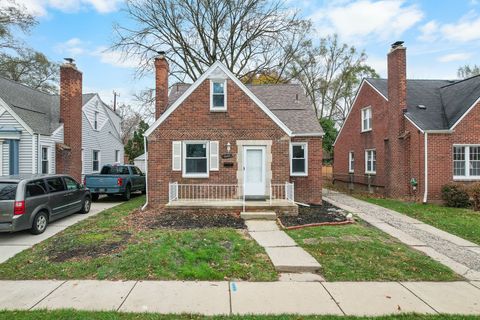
(116,180)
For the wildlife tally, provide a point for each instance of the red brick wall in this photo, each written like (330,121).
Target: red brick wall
(309,189)
(71,116)
(440,150)
(161,86)
(244,120)
(414,159)
(352,139)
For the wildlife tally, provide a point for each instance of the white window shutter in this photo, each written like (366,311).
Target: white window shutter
(176,155)
(213,155)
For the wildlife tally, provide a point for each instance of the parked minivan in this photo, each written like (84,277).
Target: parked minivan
(32,202)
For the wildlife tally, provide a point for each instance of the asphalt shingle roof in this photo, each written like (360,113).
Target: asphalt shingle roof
(445,100)
(287,102)
(39,110)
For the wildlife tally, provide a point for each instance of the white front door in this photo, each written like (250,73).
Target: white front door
(254,170)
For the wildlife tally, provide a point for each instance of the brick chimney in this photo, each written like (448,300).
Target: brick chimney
(161,84)
(69,155)
(397,85)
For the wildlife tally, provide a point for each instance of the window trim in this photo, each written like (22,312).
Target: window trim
(351,156)
(116,155)
(371,119)
(184,159)
(366,161)
(47,160)
(467,176)
(93,159)
(216,109)
(299,174)
(95,120)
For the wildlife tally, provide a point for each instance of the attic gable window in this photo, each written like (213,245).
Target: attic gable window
(218,95)
(366,119)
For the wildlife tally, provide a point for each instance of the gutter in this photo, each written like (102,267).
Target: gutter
(425,146)
(146,171)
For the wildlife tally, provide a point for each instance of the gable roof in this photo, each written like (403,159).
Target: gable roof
(39,110)
(286,104)
(445,101)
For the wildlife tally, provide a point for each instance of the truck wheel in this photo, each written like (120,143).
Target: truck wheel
(94,197)
(128,193)
(87,204)
(40,223)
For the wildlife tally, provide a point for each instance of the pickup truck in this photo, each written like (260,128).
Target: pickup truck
(116,180)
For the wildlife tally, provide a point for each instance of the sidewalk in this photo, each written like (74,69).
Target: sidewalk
(216,298)
(13,243)
(458,254)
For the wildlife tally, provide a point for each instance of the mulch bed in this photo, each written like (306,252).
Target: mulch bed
(176,219)
(324,214)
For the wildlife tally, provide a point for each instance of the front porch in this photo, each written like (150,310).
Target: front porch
(230,197)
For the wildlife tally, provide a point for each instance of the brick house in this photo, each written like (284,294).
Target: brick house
(218,139)
(399,130)
(43,133)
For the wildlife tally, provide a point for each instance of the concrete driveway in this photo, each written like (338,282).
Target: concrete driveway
(13,243)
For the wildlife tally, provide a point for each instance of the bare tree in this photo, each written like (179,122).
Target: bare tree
(249,36)
(468,71)
(330,74)
(13,16)
(130,120)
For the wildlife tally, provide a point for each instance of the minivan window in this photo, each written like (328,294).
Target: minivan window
(36,188)
(115,170)
(71,184)
(55,184)
(8,190)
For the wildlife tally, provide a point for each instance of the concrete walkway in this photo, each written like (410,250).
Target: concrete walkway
(216,298)
(13,243)
(283,251)
(458,254)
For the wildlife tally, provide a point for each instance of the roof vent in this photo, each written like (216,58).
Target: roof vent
(421,106)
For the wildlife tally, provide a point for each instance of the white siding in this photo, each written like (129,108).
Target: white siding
(106,140)
(25,146)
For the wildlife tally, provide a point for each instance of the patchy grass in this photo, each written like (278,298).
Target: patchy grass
(83,315)
(464,223)
(107,247)
(359,252)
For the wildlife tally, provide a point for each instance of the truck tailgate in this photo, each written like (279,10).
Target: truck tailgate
(101,181)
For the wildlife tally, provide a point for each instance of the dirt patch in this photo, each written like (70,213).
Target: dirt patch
(176,219)
(91,251)
(315,214)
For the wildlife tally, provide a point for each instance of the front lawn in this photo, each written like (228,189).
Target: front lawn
(464,223)
(110,246)
(84,315)
(359,252)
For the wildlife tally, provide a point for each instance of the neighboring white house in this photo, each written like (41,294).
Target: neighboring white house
(30,129)
(140,162)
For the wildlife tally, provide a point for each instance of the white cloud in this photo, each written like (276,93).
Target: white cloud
(115,58)
(455,57)
(466,29)
(41,7)
(73,47)
(429,31)
(366,19)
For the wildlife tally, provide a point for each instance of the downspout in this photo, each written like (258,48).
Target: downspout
(146,171)
(425,146)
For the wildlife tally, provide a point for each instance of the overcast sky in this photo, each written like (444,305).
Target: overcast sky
(440,35)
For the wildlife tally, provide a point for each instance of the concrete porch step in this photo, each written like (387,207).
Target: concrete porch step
(258,215)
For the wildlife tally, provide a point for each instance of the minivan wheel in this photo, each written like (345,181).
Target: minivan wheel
(127,194)
(95,197)
(40,223)
(87,204)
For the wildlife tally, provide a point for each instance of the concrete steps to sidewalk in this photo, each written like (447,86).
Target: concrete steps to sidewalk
(258,215)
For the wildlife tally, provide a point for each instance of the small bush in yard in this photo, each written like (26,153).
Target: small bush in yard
(474,191)
(455,195)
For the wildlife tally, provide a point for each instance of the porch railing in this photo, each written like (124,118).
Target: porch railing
(224,192)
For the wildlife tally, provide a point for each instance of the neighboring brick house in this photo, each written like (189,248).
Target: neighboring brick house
(71,133)
(398,130)
(218,131)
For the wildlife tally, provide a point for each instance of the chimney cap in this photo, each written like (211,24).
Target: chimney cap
(69,60)
(161,54)
(397,44)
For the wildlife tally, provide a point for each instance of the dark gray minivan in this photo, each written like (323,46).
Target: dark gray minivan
(31,202)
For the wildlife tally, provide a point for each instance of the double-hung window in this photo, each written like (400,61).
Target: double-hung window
(218,95)
(366,119)
(351,162)
(95,160)
(370,161)
(45,163)
(95,120)
(299,159)
(466,162)
(117,156)
(195,160)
